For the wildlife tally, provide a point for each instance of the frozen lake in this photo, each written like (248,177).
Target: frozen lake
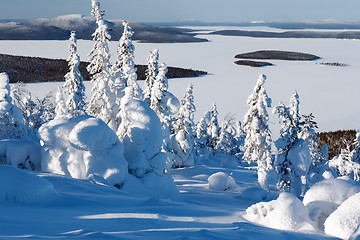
(330,93)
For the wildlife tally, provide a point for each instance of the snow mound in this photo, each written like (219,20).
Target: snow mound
(344,222)
(143,139)
(324,197)
(22,187)
(83,146)
(285,213)
(324,191)
(20,153)
(220,181)
(255,194)
(152,186)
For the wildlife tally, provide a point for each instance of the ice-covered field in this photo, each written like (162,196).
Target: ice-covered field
(329,92)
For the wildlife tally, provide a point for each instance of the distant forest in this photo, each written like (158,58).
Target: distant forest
(337,140)
(35,69)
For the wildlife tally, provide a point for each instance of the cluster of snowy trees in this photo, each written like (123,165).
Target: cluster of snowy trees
(133,114)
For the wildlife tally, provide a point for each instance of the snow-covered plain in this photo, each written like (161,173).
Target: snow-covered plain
(93,209)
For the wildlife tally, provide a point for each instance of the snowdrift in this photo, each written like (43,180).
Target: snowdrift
(23,187)
(81,147)
(20,153)
(285,213)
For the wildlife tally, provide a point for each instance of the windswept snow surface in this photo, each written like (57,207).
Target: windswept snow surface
(92,209)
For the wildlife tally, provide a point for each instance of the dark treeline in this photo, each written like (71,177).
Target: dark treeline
(337,140)
(35,69)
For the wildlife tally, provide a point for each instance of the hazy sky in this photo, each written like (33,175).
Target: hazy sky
(203,10)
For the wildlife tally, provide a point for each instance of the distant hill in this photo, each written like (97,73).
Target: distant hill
(34,69)
(59,28)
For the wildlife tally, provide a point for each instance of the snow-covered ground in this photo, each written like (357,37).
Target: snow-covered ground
(326,91)
(84,209)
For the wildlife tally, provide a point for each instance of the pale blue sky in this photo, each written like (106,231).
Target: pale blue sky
(203,10)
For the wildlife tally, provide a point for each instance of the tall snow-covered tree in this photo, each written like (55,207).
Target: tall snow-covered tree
(30,110)
(309,135)
(213,129)
(74,85)
(184,127)
(159,96)
(226,142)
(60,110)
(240,136)
(201,137)
(124,68)
(151,73)
(103,101)
(11,120)
(258,135)
(292,174)
(164,104)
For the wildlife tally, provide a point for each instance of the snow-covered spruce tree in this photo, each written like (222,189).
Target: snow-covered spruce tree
(11,120)
(151,73)
(60,110)
(240,136)
(184,128)
(103,101)
(74,85)
(30,110)
(124,68)
(258,135)
(213,129)
(293,158)
(317,157)
(227,142)
(201,137)
(164,104)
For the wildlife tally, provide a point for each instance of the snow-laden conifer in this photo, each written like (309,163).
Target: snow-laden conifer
(124,69)
(184,127)
(226,142)
(240,136)
(74,85)
(151,73)
(292,176)
(258,135)
(30,110)
(11,120)
(318,158)
(159,96)
(213,129)
(60,110)
(201,137)
(103,101)
(165,105)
